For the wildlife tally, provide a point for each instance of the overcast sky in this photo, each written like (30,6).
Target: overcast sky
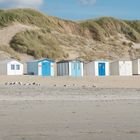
(80,9)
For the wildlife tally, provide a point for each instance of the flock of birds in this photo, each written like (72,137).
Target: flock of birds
(36,84)
(22,84)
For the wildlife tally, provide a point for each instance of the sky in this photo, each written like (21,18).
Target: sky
(80,9)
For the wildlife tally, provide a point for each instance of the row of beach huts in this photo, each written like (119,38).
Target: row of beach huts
(75,68)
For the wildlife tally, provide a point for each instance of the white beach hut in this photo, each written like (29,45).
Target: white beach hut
(136,66)
(120,67)
(97,68)
(11,67)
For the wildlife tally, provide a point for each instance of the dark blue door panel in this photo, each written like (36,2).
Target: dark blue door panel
(101,67)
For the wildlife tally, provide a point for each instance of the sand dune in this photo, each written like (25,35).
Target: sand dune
(7,33)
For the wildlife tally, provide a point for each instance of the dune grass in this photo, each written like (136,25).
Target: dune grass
(25,16)
(99,28)
(108,26)
(10,51)
(42,43)
(134,24)
(38,43)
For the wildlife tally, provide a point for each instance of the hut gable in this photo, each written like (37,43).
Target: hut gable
(121,67)
(11,67)
(97,68)
(70,68)
(43,67)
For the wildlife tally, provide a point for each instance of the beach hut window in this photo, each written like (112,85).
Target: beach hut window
(12,67)
(17,67)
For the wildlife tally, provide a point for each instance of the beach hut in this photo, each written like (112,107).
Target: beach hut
(70,68)
(11,67)
(120,67)
(136,66)
(43,67)
(97,68)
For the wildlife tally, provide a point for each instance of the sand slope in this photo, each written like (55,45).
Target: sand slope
(7,33)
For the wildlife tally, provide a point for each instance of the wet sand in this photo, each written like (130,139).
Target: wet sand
(78,112)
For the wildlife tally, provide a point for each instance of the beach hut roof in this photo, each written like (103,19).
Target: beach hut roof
(121,60)
(63,61)
(136,59)
(99,60)
(40,60)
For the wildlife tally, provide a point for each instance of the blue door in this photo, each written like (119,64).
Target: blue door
(76,68)
(78,72)
(46,69)
(101,67)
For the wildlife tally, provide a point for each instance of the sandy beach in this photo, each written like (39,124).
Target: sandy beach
(63,108)
(99,82)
